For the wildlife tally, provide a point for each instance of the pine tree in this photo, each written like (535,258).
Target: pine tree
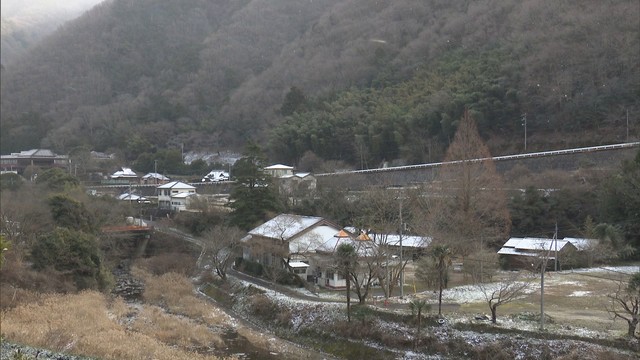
(254,196)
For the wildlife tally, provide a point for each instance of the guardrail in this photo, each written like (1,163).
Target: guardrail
(495,158)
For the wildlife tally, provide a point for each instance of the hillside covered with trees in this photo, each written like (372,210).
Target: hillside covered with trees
(356,81)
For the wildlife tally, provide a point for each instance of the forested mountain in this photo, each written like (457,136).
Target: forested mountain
(24,23)
(352,80)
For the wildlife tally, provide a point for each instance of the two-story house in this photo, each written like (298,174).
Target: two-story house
(175,195)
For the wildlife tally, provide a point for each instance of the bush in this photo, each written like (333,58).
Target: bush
(251,267)
(165,263)
(290,279)
(75,253)
(494,351)
(263,307)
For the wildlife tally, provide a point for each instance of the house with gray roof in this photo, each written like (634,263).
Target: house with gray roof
(306,245)
(38,158)
(529,251)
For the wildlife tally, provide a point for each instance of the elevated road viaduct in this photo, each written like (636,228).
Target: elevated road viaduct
(607,158)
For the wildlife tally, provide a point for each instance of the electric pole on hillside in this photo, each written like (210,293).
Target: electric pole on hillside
(524,123)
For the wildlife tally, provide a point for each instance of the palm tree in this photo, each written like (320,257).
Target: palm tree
(442,256)
(346,259)
(416,307)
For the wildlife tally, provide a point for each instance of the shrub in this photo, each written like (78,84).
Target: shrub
(290,279)
(494,351)
(263,307)
(251,267)
(75,253)
(166,263)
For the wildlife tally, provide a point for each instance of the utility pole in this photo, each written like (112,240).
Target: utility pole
(401,262)
(542,269)
(524,122)
(555,242)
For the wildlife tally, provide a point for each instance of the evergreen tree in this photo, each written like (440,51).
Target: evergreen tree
(254,196)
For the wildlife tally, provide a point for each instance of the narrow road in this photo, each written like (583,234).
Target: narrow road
(284,289)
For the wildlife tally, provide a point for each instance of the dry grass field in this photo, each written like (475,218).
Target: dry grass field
(175,322)
(172,322)
(572,300)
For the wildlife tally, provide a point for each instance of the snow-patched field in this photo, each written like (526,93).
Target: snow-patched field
(567,284)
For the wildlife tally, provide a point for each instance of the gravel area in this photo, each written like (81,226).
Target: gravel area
(11,351)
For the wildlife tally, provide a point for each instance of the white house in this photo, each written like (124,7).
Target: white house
(174,195)
(296,186)
(216,175)
(306,245)
(296,242)
(278,170)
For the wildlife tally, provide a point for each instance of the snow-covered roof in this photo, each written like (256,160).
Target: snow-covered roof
(182,195)
(176,185)
(409,241)
(298,264)
(320,238)
(529,246)
(535,244)
(153,175)
(298,175)
(394,239)
(132,197)
(216,174)
(279,167)
(512,251)
(582,244)
(285,226)
(36,152)
(125,172)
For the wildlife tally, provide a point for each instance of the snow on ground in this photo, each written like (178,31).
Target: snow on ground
(307,314)
(617,269)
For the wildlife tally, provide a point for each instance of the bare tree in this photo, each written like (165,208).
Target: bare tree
(503,292)
(367,270)
(482,265)
(220,245)
(466,205)
(381,218)
(625,303)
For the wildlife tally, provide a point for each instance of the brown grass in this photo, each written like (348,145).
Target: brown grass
(174,330)
(165,263)
(87,324)
(175,293)
(567,310)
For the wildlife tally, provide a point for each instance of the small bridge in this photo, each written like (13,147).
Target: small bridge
(140,234)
